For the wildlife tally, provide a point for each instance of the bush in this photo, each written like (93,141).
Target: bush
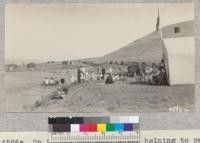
(116,62)
(49,62)
(122,63)
(31,65)
(65,62)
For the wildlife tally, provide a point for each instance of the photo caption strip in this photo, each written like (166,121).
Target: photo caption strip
(94,129)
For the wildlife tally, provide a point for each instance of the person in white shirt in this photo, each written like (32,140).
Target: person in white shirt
(110,70)
(51,81)
(46,81)
(72,79)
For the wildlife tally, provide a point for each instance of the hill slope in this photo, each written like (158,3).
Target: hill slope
(148,48)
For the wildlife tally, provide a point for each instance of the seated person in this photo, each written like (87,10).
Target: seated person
(109,79)
(163,76)
(52,81)
(99,76)
(46,81)
(156,76)
(56,81)
(72,79)
(62,88)
(148,74)
(138,74)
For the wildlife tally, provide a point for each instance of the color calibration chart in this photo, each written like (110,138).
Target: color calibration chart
(94,129)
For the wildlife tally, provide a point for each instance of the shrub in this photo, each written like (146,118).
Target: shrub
(65,62)
(31,65)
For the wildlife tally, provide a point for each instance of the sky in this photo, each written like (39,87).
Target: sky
(56,32)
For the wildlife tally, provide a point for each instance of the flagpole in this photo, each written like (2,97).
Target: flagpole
(158,25)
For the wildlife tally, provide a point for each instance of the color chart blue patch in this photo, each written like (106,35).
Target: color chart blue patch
(119,127)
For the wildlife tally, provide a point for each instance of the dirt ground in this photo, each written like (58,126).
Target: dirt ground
(23,89)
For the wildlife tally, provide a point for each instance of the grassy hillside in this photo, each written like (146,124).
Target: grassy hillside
(149,47)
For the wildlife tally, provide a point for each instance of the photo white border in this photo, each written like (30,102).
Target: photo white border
(149,121)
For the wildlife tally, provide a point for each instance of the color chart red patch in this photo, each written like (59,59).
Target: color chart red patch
(88,127)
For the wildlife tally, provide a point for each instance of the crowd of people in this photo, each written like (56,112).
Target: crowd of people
(50,81)
(154,74)
(109,75)
(83,75)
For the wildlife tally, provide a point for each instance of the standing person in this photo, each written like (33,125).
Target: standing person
(138,73)
(110,70)
(155,75)
(163,76)
(103,71)
(92,76)
(79,75)
(143,69)
(148,73)
(82,74)
(87,76)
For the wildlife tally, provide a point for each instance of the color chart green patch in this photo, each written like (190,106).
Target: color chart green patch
(110,127)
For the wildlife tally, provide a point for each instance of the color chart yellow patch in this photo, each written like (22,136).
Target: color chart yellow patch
(101,127)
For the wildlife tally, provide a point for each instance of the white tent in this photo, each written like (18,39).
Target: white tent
(179,54)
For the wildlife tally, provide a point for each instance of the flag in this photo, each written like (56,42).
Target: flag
(158,21)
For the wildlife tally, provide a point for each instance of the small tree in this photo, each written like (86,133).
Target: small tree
(31,65)
(111,62)
(116,62)
(65,62)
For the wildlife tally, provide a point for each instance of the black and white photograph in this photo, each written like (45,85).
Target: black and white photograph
(100,58)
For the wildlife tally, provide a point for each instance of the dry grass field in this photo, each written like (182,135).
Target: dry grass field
(23,89)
